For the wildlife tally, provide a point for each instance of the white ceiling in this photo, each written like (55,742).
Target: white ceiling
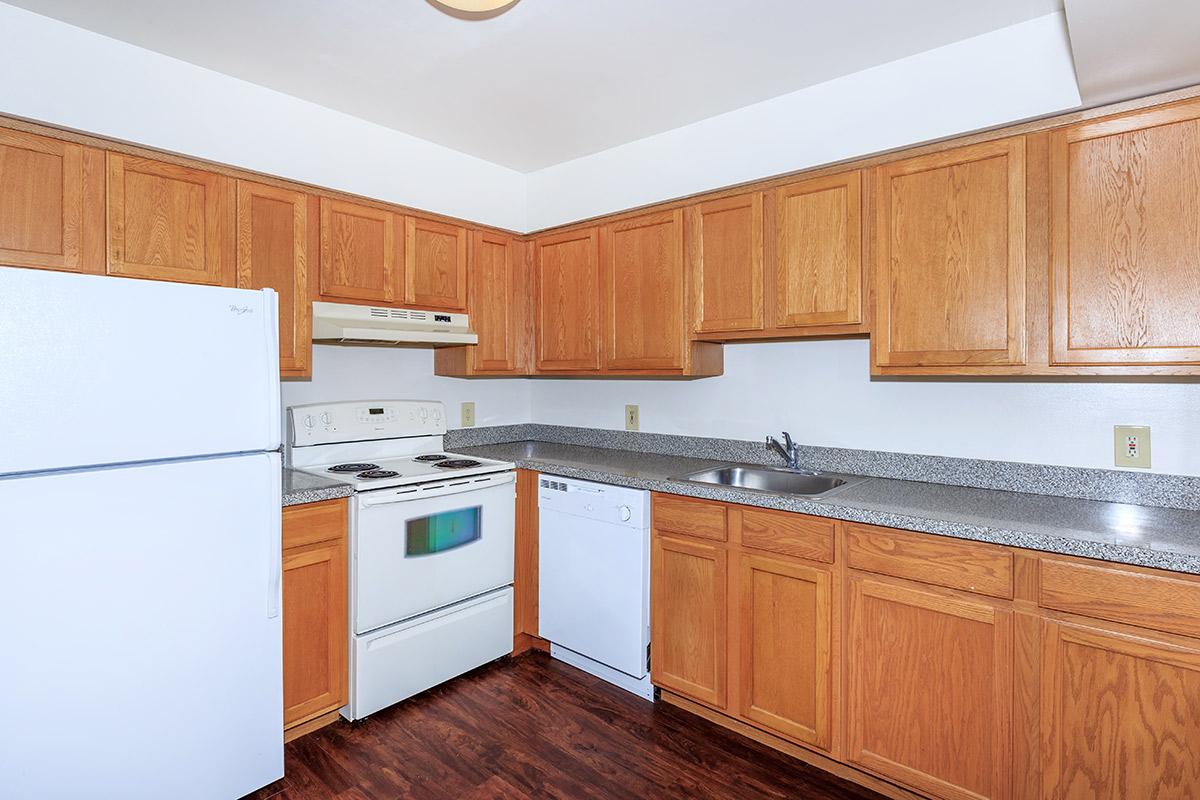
(550,80)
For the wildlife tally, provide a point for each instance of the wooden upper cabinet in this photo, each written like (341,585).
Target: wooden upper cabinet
(359,259)
(725,253)
(818,271)
(435,264)
(644,302)
(567,277)
(272,252)
(51,204)
(169,222)
(500,299)
(1125,239)
(950,258)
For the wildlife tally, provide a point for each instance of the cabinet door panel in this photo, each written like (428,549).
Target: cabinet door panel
(315,635)
(819,252)
(930,689)
(951,258)
(435,265)
(688,618)
(725,250)
(498,298)
(169,222)
(358,252)
(51,204)
(272,252)
(644,293)
(786,653)
(1125,239)
(568,301)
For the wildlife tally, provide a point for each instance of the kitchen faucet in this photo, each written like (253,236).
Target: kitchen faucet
(790,453)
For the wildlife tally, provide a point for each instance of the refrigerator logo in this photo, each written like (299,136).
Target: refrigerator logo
(239,310)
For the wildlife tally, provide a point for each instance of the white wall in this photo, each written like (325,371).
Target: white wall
(62,75)
(822,393)
(1016,73)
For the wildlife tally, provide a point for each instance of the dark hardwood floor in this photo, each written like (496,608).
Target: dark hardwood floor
(532,727)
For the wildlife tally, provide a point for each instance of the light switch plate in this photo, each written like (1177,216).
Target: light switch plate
(631,418)
(468,415)
(1131,446)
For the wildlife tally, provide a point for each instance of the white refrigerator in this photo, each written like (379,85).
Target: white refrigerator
(140,531)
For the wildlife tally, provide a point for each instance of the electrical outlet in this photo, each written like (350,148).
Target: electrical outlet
(468,415)
(631,418)
(1131,446)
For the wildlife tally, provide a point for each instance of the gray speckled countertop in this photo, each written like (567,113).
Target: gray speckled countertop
(1165,538)
(300,487)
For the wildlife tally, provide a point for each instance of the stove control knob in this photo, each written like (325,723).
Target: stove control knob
(625,513)
(309,421)
(325,420)
(424,414)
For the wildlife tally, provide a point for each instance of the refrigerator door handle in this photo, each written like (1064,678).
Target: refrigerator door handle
(274,536)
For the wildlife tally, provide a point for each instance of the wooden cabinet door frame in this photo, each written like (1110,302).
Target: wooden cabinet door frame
(297,362)
(413,269)
(820,734)
(80,223)
(1012,149)
(697,259)
(1127,285)
(216,235)
(851,236)
(505,298)
(617,311)
(332,554)
(585,322)
(330,288)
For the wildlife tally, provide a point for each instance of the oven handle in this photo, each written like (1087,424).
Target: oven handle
(409,493)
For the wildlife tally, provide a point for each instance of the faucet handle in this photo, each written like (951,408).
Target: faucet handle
(787,438)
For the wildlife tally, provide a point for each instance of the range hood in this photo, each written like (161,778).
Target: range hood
(399,327)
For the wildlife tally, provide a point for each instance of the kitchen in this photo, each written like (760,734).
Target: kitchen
(547,332)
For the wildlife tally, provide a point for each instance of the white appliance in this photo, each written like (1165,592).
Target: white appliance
(432,544)
(594,579)
(347,324)
(140,518)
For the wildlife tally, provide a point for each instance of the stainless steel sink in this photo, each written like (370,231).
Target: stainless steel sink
(771,479)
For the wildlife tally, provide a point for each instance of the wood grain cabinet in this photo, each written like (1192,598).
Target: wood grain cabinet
(315,616)
(725,256)
(169,222)
(361,253)
(435,265)
(51,204)
(950,259)
(1125,241)
(567,286)
(272,252)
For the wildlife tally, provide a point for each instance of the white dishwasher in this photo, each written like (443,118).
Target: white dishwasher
(594,579)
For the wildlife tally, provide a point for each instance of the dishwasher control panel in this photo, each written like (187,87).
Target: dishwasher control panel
(598,501)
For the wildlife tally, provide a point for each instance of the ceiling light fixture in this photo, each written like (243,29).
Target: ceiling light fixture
(473,9)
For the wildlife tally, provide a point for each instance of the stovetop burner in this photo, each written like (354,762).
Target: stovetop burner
(353,467)
(457,463)
(432,457)
(378,473)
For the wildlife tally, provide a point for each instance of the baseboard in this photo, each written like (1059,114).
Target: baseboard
(314,724)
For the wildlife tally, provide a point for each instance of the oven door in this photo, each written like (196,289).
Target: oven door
(419,548)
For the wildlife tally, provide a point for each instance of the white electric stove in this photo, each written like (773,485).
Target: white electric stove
(431,540)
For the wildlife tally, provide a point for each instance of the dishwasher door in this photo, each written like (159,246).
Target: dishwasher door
(594,572)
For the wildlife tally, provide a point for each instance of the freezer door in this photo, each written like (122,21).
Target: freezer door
(141,606)
(98,370)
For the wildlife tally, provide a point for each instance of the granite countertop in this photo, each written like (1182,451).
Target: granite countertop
(1164,538)
(301,487)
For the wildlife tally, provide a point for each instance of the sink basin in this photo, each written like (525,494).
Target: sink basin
(771,479)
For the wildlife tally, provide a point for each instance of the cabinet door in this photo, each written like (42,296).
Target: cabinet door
(315,636)
(272,252)
(1125,239)
(498,304)
(687,618)
(169,222)
(1120,715)
(930,689)
(644,293)
(725,250)
(950,266)
(435,264)
(51,204)
(358,253)
(566,270)
(818,274)
(786,664)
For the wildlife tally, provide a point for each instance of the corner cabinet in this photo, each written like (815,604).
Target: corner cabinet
(566,269)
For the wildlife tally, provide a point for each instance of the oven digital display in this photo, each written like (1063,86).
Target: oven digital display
(444,531)
(374,411)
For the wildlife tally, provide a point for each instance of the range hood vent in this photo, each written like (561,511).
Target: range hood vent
(399,327)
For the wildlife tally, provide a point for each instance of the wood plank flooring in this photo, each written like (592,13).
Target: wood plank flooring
(532,727)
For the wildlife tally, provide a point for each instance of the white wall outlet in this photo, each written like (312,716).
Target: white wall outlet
(468,415)
(631,418)
(1131,445)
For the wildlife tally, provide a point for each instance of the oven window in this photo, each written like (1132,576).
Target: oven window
(438,533)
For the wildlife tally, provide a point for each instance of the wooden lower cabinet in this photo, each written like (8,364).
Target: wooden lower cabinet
(315,616)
